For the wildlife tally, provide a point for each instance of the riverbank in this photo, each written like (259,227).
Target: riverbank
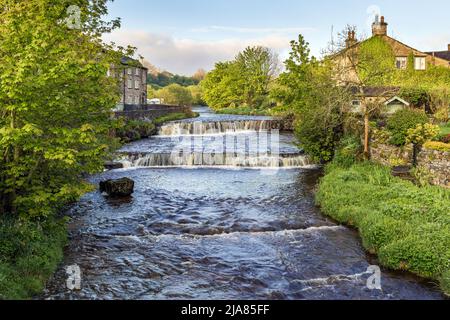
(407,226)
(30,253)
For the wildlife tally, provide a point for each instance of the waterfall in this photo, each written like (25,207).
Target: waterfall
(207,159)
(217,127)
(249,142)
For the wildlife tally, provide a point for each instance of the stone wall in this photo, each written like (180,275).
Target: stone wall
(436,163)
(391,155)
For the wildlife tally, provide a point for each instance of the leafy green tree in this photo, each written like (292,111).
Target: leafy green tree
(55,102)
(309,89)
(175,94)
(223,87)
(245,81)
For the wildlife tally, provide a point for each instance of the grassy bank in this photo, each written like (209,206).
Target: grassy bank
(408,227)
(133,130)
(244,111)
(29,254)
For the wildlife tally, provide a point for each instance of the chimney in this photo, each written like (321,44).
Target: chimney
(351,39)
(379,27)
(448,47)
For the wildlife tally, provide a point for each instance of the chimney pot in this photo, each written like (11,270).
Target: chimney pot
(448,47)
(382,19)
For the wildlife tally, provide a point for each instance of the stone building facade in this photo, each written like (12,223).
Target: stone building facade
(133,83)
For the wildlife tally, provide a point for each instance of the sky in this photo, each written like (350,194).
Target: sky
(182,36)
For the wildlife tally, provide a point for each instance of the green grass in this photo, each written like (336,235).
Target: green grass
(243,111)
(408,227)
(29,255)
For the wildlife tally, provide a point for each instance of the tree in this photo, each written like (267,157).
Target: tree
(199,75)
(55,102)
(175,94)
(309,89)
(196,93)
(244,81)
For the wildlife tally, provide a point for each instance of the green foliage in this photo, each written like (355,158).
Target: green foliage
(244,81)
(376,62)
(133,130)
(308,89)
(175,94)
(401,122)
(29,254)
(197,95)
(421,133)
(55,103)
(438,146)
(164,79)
(407,226)
(348,151)
(244,111)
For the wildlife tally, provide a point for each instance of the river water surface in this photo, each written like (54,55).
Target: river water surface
(243,228)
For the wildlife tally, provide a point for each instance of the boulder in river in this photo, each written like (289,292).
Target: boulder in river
(113,165)
(117,188)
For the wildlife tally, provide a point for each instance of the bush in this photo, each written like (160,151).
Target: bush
(30,253)
(406,225)
(401,122)
(348,151)
(439,146)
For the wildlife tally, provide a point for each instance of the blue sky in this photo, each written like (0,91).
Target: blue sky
(182,36)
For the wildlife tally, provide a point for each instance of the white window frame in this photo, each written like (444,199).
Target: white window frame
(137,84)
(401,63)
(137,72)
(420,63)
(130,84)
(130,71)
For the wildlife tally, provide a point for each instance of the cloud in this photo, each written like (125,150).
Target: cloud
(254,30)
(184,55)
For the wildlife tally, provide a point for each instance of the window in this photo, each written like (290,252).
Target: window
(401,62)
(356,103)
(136,84)
(130,84)
(137,72)
(130,71)
(419,63)
(129,100)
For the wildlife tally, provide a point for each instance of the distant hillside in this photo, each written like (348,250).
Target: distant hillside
(158,78)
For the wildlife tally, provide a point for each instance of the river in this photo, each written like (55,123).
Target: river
(218,222)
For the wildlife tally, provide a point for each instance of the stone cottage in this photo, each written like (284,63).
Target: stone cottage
(133,83)
(346,60)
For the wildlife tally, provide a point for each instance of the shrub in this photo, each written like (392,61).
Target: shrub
(348,151)
(30,253)
(402,121)
(439,146)
(422,133)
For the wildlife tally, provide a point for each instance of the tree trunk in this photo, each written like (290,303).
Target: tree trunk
(366,135)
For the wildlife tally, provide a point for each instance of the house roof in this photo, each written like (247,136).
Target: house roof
(396,98)
(440,54)
(131,62)
(375,91)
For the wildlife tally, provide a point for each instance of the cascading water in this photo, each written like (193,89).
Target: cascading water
(253,142)
(215,233)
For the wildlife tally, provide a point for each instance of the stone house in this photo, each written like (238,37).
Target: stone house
(133,83)
(348,75)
